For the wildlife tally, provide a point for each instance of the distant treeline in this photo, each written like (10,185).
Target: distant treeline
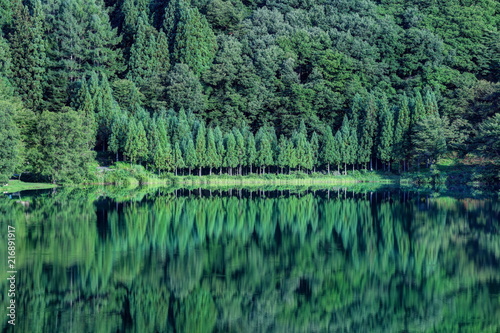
(76,75)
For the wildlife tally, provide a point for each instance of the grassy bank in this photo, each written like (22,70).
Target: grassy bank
(17,185)
(123,174)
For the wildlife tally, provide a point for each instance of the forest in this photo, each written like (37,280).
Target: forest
(246,86)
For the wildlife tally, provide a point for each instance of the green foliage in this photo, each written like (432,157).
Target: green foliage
(10,142)
(62,150)
(136,146)
(428,138)
(260,70)
(489,136)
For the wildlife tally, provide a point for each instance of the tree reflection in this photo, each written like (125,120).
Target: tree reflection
(332,261)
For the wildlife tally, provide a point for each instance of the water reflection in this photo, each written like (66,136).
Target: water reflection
(333,260)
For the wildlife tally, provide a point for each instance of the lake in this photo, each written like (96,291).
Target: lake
(236,260)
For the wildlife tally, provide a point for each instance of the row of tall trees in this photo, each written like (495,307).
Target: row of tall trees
(372,135)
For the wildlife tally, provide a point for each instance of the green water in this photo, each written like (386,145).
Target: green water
(240,261)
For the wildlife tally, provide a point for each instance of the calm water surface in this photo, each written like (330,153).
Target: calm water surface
(240,261)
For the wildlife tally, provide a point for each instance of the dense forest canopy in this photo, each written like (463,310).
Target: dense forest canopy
(246,84)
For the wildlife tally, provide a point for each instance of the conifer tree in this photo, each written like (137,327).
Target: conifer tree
(231,158)
(346,149)
(118,137)
(264,149)
(402,131)
(177,157)
(418,110)
(195,43)
(240,148)
(212,157)
(315,152)
(149,60)
(201,145)
(293,158)
(337,157)
(10,142)
(386,133)
(368,130)
(430,104)
(190,157)
(282,160)
(328,148)
(163,155)
(136,147)
(221,149)
(251,150)
(28,54)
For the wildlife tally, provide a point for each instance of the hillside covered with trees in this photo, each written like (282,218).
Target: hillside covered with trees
(239,86)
